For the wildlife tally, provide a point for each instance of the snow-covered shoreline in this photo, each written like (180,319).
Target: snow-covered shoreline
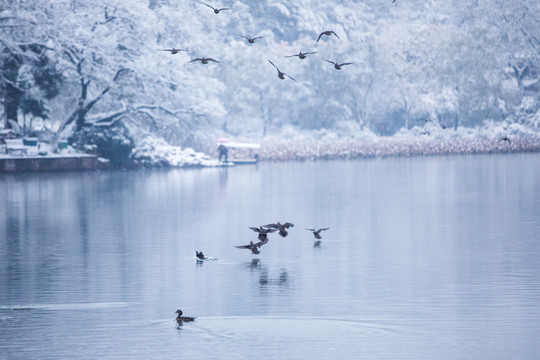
(393,147)
(291,144)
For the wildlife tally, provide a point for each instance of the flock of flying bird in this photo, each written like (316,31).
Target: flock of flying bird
(251,40)
(264,230)
(262,236)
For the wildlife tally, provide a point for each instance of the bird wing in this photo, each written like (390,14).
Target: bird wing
(258,37)
(310,229)
(290,77)
(349,63)
(223,9)
(323,229)
(197,59)
(292,55)
(211,7)
(331,62)
(335,34)
(319,38)
(313,52)
(243,246)
(272,226)
(210,59)
(255,229)
(288,225)
(273,65)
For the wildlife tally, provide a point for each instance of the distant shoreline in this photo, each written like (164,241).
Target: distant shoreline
(393,147)
(296,149)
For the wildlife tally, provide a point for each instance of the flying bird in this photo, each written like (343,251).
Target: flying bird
(302,55)
(181,319)
(263,233)
(251,246)
(249,39)
(338,66)
(174,50)
(317,233)
(216,11)
(281,227)
(281,74)
(505,138)
(203,60)
(327,33)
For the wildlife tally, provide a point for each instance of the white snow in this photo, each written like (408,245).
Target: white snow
(413,60)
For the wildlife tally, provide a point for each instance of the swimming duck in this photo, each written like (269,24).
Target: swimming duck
(338,66)
(249,39)
(327,33)
(203,60)
(216,11)
(281,227)
(199,255)
(174,50)
(180,319)
(317,233)
(251,246)
(301,55)
(281,75)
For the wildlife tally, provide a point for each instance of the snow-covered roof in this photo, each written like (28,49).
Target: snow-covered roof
(237,145)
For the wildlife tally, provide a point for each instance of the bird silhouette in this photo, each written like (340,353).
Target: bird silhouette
(301,55)
(338,66)
(505,138)
(250,39)
(317,233)
(281,227)
(174,50)
(281,74)
(251,246)
(203,60)
(216,10)
(181,319)
(327,33)
(263,233)
(199,255)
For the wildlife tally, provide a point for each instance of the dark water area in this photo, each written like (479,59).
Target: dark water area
(425,258)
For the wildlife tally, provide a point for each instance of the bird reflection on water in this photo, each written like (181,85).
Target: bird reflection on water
(254,264)
(264,278)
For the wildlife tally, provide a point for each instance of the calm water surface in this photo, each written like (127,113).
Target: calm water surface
(426,258)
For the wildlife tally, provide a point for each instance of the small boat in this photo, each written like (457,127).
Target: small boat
(242,153)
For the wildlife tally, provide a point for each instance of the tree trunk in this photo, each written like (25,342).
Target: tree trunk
(12,94)
(11,104)
(79,114)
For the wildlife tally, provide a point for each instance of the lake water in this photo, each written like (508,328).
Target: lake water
(426,258)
